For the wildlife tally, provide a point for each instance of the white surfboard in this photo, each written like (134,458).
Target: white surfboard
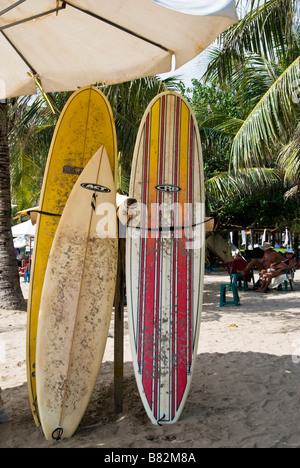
(77,300)
(165,253)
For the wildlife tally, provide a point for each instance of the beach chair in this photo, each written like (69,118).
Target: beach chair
(224,288)
(239,280)
(211,267)
(285,280)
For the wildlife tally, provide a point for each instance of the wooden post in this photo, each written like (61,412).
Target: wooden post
(119,329)
(123,214)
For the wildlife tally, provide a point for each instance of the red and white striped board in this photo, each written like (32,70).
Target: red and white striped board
(165,255)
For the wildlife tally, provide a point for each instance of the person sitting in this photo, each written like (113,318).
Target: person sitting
(275,270)
(270,256)
(237,264)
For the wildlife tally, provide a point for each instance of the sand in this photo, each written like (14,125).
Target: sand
(245,390)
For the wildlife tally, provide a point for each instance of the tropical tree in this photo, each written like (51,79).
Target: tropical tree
(258,60)
(26,130)
(11,296)
(26,127)
(129,101)
(34,121)
(210,103)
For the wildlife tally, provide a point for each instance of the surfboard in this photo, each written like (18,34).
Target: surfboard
(165,255)
(77,300)
(85,124)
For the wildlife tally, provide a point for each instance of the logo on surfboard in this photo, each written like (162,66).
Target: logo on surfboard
(168,188)
(72,170)
(95,187)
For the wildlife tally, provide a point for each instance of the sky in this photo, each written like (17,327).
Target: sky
(197,67)
(193,69)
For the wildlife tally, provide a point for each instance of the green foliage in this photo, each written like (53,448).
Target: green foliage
(267,209)
(32,123)
(129,101)
(33,120)
(210,103)
(252,98)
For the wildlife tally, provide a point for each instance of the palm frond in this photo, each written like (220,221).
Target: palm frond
(129,101)
(268,29)
(220,186)
(224,123)
(292,192)
(243,182)
(289,159)
(25,182)
(271,122)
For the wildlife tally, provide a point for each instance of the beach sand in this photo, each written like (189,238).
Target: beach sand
(245,390)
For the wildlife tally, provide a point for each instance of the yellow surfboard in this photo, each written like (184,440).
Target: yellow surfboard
(77,300)
(85,124)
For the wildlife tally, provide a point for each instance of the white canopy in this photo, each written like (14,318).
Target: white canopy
(62,45)
(23,229)
(203,7)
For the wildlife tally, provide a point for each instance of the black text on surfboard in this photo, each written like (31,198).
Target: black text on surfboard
(95,187)
(168,188)
(72,170)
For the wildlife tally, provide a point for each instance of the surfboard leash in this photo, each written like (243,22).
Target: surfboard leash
(161,419)
(46,213)
(168,228)
(59,430)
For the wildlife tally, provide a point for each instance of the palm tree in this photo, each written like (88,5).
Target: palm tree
(11,296)
(23,154)
(271,124)
(34,121)
(258,59)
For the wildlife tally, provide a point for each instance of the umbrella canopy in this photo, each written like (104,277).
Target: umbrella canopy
(23,229)
(20,242)
(62,45)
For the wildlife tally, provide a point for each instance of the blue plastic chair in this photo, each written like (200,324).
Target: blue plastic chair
(224,288)
(239,280)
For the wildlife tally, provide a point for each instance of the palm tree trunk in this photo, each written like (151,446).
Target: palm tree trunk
(11,296)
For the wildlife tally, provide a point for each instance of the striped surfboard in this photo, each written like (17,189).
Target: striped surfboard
(165,255)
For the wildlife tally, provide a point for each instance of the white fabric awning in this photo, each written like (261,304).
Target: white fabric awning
(23,229)
(73,43)
(203,7)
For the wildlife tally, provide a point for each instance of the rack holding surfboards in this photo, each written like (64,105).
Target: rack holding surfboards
(165,255)
(85,124)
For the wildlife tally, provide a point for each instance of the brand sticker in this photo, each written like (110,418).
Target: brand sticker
(168,188)
(72,170)
(95,187)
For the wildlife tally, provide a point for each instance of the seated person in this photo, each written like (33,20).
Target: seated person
(237,264)
(276,269)
(270,256)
